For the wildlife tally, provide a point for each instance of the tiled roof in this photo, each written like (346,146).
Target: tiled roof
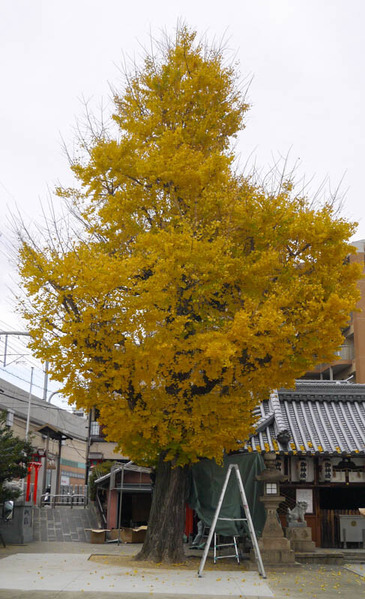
(314,418)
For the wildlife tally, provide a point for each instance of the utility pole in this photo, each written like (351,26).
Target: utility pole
(7,333)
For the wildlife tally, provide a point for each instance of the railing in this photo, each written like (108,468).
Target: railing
(63,500)
(101,511)
(346,352)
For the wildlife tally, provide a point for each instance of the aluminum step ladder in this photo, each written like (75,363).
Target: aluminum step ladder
(218,546)
(246,519)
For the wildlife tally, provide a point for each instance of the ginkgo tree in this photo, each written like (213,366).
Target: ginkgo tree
(188,291)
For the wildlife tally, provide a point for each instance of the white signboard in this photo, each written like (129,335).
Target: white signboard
(65,481)
(307,496)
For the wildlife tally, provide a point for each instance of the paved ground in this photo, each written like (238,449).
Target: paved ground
(76,573)
(317,582)
(357,569)
(56,568)
(64,571)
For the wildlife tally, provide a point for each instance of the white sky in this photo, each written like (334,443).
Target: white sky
(307,95)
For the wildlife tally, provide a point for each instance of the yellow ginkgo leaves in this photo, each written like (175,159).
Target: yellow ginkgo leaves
(188,292)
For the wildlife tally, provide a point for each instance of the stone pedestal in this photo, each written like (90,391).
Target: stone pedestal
(19,530)
(274,547)
(278,557)
(300,538)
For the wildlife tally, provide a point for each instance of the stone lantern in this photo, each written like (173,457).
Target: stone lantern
(274,547)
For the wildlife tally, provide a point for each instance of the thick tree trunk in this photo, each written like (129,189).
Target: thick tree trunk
(164,538)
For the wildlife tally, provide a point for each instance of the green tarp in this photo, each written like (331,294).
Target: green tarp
(206,486)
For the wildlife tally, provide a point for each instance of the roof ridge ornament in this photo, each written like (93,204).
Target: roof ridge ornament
(264,422)
(283,434)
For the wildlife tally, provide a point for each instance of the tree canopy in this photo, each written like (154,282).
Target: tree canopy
(15,453)
(190,290)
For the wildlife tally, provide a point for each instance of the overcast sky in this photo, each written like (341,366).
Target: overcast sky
(307,96)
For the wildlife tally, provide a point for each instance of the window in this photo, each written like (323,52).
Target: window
(271,488)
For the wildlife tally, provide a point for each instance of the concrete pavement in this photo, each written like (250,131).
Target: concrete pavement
(357,569)
(75,573)
(83,570)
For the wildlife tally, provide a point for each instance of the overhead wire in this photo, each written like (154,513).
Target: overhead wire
(18,345)
(46,405)
(19,377)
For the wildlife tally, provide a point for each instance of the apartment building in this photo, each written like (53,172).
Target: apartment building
(350,364)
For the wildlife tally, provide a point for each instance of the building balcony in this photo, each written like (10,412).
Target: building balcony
(96,431)
(345,353)
(343,367)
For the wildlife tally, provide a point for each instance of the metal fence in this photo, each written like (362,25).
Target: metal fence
(71,496)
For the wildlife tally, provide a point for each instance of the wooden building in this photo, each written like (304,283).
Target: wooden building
(317,431)
(123,496)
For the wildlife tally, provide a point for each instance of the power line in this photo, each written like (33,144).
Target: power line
(46,406)
(19,377)
(17,341)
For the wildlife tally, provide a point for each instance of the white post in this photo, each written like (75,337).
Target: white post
(45,384)
(29,403)
(120,503)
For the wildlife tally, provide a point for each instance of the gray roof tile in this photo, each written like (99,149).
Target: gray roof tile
(315,417)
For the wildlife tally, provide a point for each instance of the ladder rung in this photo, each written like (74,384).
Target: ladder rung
(225,545)
(234,519)
(225,556)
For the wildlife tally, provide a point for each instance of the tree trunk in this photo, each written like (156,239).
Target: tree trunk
(164,538)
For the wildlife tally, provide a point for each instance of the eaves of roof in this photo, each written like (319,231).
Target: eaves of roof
(312,419)
(129,467)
